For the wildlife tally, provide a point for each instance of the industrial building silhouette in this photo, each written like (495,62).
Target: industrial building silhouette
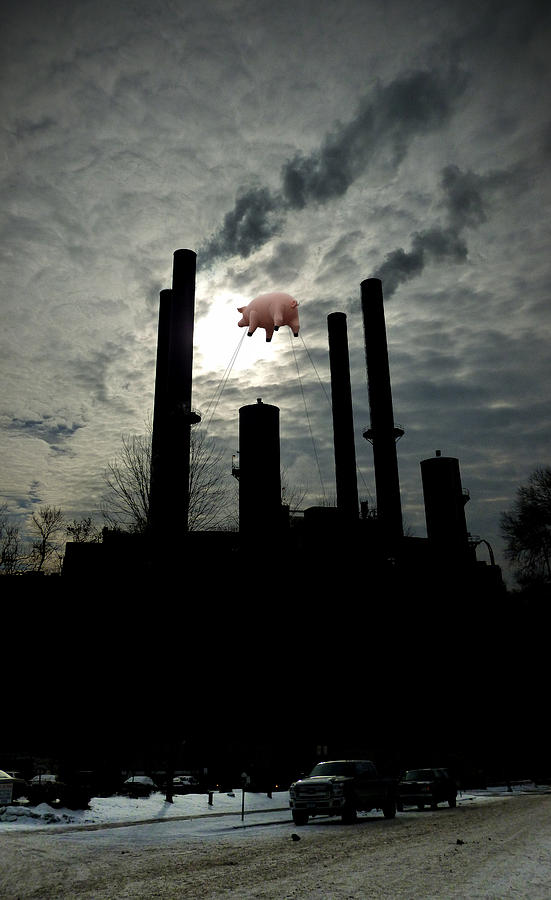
(325,537)
(334,630)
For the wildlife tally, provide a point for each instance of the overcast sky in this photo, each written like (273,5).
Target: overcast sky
(298,146)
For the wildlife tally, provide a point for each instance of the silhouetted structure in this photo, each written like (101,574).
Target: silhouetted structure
(445,502)
(343,418)
(383,432)
(375,544)
(173,416)
(366,576)
(260,513)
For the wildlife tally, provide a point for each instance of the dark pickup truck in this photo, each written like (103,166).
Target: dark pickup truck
(341,788)
(422,787)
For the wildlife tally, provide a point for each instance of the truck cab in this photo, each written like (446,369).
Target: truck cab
(341,788)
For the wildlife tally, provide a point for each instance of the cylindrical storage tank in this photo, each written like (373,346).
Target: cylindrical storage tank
(259,471)
(444,503)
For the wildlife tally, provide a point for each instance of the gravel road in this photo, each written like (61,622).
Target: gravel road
(496,848)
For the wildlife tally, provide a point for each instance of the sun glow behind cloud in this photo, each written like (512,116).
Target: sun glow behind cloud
(217,338)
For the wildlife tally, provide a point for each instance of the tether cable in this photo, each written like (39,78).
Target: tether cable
(308,417)
(223,381)
(316,371)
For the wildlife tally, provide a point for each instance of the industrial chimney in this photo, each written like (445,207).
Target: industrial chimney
(343,420)
(172,415)
(383,433)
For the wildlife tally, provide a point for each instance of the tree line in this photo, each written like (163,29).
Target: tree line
(525,528)
(125,507)
(42,550)
(526,531)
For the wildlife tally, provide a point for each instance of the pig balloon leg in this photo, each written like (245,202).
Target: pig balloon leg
(256,322)
(253,322)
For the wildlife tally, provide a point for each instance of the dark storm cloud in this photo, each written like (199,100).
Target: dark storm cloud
(466,197)
(46,429)
(388,120)
(382,130)
(256,217)
(435,244)
(25,128)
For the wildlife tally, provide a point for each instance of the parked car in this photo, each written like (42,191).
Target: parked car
(6,788)
(186,784)
(20,785)
(46,788)
(139,786)
(81,786)
(426,787)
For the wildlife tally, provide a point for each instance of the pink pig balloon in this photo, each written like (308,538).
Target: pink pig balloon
(270,311)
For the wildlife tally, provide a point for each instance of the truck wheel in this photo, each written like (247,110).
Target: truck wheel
(420,806)
(349,815)
(389,811)
(453,802)
(300,818)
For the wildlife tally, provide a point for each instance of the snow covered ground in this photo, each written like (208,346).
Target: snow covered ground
(120,809)
(126,810)
(495,846)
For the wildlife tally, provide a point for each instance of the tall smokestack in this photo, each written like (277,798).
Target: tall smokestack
(173,417)
(383,433)
(343,420)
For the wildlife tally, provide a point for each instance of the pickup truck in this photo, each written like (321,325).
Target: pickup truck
(420,787)
(341,788)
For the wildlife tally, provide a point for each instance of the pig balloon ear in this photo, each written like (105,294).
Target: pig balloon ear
(240,309)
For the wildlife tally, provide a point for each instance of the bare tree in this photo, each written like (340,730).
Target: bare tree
(83,531)
(526,529)
(47,526)
(292,495)
(208,496)
(126,503)
(10,543)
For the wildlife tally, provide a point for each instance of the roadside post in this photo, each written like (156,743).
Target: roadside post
(245,780)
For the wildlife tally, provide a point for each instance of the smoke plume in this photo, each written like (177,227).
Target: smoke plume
(388,119)
(465,199)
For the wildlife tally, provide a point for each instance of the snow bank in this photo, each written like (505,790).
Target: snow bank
(119,809)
